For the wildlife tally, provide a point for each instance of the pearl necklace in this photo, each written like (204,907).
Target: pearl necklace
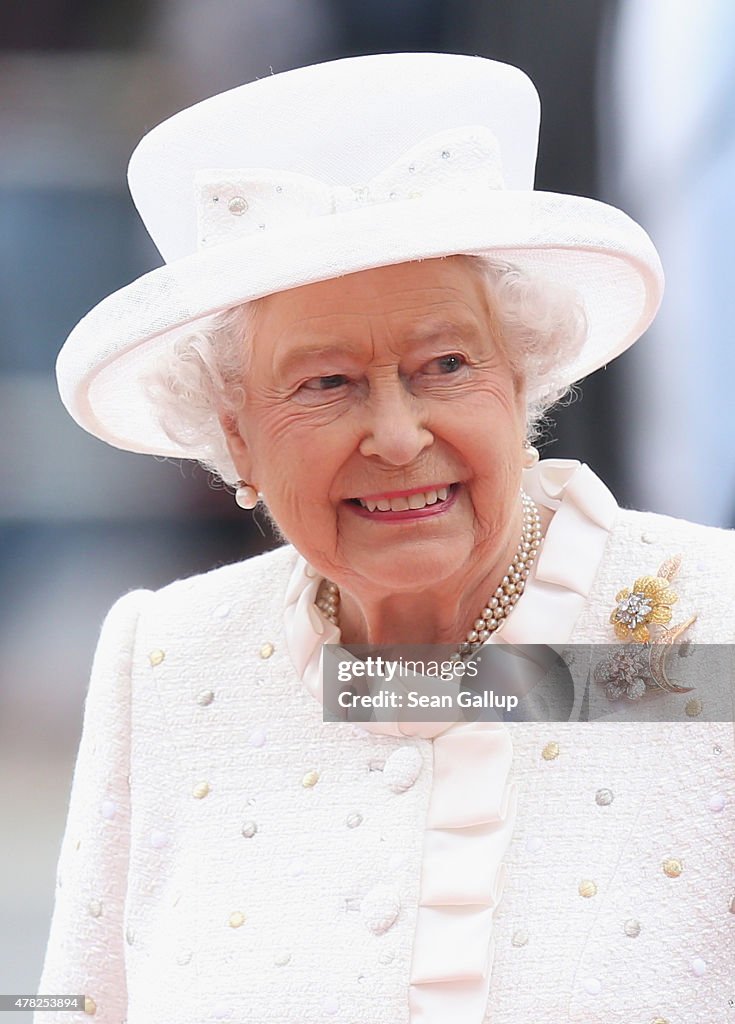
(500,605)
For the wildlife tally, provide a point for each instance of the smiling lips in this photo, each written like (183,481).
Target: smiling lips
(429,501)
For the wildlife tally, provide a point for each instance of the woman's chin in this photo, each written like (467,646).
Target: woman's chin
(406,568)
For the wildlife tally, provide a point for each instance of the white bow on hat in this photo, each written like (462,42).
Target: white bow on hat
(232,204)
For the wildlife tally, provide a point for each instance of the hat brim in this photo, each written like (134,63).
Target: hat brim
(594,248)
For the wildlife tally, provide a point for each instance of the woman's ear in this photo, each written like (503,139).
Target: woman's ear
(236,445)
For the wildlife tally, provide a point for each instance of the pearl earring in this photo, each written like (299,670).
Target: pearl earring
(530,455)
(245,495)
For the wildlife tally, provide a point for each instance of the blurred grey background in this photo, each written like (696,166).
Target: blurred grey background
(637,110)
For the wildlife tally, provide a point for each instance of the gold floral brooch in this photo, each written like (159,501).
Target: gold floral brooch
(632,671)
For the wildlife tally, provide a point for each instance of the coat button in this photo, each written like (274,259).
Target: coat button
(402,769)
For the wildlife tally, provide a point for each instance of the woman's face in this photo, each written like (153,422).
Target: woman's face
(370,394)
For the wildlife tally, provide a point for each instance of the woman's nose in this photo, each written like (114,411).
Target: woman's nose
(395,430)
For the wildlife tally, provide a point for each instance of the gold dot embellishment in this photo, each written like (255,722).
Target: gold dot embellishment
(95,908)
(659,1020)
(156,657)
(90,1006)
(200,790)
(266,650)
(587,888)
(520,937)
(550,751)
(310,780)
(693,707)
(236,919)
(205,698)
(673,867)
(632,928)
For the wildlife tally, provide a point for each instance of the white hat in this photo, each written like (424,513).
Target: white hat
(335,168)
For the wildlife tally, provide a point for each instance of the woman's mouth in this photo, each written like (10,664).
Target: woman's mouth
(394,506)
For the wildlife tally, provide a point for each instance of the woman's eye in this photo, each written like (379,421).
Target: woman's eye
(450,363)
(334,380)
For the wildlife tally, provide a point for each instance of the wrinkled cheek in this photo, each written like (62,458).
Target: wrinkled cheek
(352,541)
(470,523)
(288,511)
(490,503)
(329,537)
(342,522)
(317,526)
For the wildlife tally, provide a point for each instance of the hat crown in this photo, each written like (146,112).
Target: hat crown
(315,120)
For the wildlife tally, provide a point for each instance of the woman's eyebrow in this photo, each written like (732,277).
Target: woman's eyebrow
(312,350)
(427,330)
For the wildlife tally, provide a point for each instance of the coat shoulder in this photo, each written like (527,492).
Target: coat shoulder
(659,531)
(256,586)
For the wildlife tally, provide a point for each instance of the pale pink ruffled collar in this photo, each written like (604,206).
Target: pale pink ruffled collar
(473,804)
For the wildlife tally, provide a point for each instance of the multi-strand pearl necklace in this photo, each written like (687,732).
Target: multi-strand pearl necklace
(500,605)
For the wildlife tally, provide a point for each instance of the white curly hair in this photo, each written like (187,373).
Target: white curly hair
(542,326)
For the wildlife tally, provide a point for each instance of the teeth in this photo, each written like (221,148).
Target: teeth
(402,504)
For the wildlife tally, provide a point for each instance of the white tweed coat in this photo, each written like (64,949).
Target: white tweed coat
(229,857)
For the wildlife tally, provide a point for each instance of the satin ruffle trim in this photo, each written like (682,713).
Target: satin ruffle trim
(473,804)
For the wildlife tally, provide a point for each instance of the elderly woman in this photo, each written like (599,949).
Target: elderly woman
(365,311)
